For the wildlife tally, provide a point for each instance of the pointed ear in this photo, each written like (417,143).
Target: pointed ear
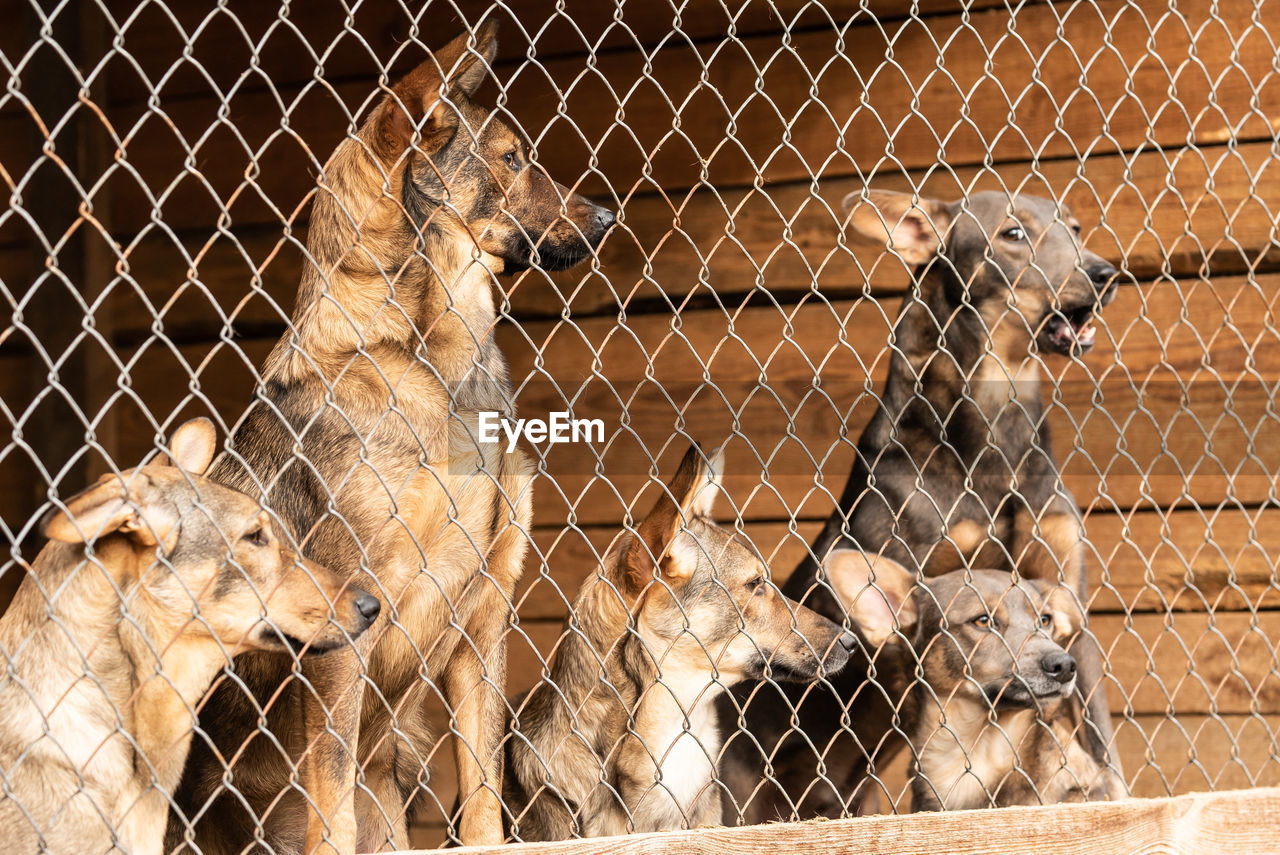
(192,447)
(875,592)
(911,227)
(693,487)
(415,103)
(101,510)
(1063,608)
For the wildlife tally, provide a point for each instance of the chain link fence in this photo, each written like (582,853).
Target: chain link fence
(968,304)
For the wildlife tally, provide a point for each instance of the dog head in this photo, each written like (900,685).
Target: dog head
(707,601)
(979,636)
(464,170)
(1017,260)
(206,561)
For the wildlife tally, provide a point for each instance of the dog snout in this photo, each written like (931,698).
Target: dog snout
(848,641)
(1059,665)
(368,607)
(1102,274)
(599,220)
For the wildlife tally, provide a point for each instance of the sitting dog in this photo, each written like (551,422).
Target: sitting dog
(151,580)
(364,439)
(623,736)
(955,469)
(994,717)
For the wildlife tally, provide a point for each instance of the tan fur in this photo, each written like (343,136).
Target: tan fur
(624,736)
(112,646)
(989,724)
(371,407)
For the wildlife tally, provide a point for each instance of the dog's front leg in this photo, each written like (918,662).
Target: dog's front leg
(327,772)
(1052,548)
(473,684)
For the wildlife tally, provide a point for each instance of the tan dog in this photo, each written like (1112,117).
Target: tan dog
(365,441)
(151,580)
(623,737)
(994,715)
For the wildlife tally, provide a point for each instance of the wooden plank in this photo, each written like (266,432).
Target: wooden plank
(1161,757)
(711,246)
(1238,822)
(195,48)
(1173,406)
(1181,560)
(828,103)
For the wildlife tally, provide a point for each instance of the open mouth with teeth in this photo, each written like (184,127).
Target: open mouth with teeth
(1070,330)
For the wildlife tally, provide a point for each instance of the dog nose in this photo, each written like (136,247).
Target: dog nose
(368,607)
(1060,666)
(1101,275)
(848,641)
(604,219)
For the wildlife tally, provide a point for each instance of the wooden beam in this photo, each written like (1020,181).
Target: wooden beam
(1172,405)
(1240,822)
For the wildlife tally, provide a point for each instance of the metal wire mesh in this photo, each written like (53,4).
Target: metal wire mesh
(172,180)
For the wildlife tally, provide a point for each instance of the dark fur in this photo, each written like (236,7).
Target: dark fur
(962,470)
(994,718)
(623,736)
(363,440)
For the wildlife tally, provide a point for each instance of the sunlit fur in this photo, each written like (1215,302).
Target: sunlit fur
(623,736)
(993,719)
(955,468)
(111,645)
(364,441)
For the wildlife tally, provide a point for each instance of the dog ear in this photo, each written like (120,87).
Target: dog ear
(910,226)
(690,493)
(1063,608)
(192,447)
(405,110)
(875,592)
(105,509)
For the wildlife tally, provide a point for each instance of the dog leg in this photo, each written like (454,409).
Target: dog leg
(331,711)
(1051,548)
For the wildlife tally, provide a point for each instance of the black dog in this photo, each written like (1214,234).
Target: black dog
(954,470)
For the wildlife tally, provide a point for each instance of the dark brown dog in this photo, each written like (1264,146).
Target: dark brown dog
(623,737)
(365,441)
(955,469)
(151,578)
(993,718)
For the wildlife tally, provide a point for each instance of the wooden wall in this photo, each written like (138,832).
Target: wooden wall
(729,289)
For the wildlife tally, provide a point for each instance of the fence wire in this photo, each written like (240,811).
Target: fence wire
(628,417)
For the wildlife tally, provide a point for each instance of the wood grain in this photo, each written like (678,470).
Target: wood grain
(1238,822)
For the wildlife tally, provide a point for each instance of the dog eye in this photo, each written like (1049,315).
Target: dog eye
(1014,234)
(1076,228)
(1046,619)
(512,160)
(258,537)
(983,622)
(756,585)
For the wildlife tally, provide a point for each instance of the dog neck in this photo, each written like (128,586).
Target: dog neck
(109,694)
(957,354)
(375,283)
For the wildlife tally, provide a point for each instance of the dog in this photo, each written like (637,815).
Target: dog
(623,737)
(993,718)
(364,439)
(955,469)
(151,579)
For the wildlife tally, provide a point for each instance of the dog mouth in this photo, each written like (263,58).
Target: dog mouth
(1014,693)
(1070,331)
(283,641)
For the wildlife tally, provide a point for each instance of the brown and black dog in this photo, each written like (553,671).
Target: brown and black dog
(993,716)
(364,439)
(954,469)
(151,579)
(623,736)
